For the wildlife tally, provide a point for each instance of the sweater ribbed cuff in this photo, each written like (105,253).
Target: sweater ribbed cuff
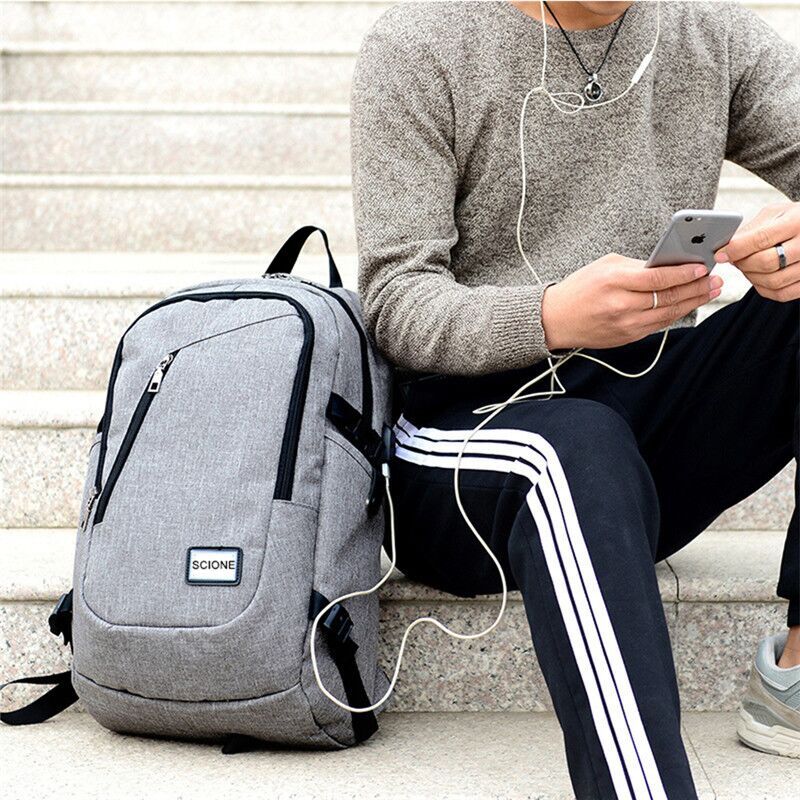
(517,335)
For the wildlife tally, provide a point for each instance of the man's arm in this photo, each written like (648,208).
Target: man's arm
(764,121)
(764,137)
(405,179)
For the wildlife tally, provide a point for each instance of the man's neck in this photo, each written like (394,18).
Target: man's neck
(574,16)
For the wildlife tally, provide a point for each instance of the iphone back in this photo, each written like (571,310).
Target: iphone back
(693,237)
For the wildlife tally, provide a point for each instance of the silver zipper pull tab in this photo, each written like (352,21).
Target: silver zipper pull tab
(158,376)
(87,511)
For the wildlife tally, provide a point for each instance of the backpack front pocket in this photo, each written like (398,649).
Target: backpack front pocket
(187,475)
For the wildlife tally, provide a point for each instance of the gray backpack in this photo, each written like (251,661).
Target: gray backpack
(233,487)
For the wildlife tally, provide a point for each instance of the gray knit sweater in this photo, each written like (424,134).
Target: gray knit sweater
(435,114)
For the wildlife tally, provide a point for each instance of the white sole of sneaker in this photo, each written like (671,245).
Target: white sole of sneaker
(773,739)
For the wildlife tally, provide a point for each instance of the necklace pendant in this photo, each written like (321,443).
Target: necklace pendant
(593,91)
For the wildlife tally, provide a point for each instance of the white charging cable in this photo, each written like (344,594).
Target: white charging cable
(570,109)
(565,106)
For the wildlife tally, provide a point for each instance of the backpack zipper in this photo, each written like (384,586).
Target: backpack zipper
(155,381)
(366,376)
(151,390)
(288,455)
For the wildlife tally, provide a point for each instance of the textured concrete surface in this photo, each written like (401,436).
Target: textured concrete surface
(266,25)
(727,566)
(715,646)
(50,410)
(769,508)
(47,434)
(59,343)
(246,138)
(199,216)
(448,756)
(202,77)
(27,648)
(130,212)
(713,641)
(41,475)
(498,672)
(733,771)
(63,313)
(231,141)
(37,564)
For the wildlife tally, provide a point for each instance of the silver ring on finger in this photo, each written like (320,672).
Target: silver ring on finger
(782,262)
(655,300)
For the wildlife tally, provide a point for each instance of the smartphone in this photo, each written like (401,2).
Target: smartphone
(693,237)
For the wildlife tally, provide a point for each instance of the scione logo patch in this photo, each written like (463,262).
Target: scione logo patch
(214,566)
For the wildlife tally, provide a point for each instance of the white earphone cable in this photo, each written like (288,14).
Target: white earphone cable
(563,106)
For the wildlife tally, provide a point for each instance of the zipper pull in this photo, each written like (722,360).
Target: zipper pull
(87,511)
(158,376)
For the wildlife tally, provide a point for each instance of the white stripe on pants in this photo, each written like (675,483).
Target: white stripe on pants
(600,664)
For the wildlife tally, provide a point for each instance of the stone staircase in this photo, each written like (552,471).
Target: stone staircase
(151,145)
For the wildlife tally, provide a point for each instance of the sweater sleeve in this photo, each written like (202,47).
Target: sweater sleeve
(764,119)
(405,184)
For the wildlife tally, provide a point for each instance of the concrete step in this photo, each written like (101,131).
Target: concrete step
(479,756)
(273,23)
(172,138)
(55,72)
(186,138)
(47,433)
(718,594)
(201,52)
(212,213)
(279,25)
(63,313)
(218,24)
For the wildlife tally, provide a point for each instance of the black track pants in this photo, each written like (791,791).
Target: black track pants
(579,496)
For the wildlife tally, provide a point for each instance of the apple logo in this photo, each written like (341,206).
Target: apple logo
(699,239)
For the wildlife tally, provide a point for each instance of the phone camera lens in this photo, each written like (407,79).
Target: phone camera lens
(688,219)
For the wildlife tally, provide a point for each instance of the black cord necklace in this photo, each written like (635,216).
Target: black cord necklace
(593,91)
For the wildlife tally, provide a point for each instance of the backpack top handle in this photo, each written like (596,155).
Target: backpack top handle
(286,257)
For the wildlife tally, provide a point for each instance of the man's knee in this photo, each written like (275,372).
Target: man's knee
(585,437)
(589,465)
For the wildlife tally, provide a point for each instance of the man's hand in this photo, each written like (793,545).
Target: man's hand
(610,302)
(752,250)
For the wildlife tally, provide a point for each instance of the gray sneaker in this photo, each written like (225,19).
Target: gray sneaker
(769,716)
